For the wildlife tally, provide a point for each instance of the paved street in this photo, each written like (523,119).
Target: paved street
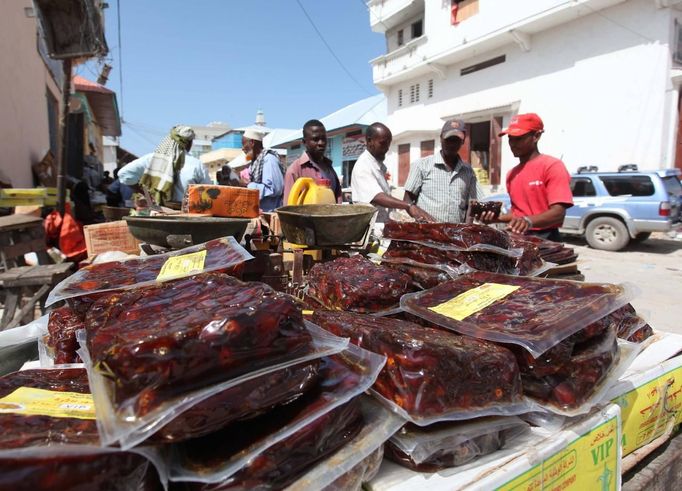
(655,266)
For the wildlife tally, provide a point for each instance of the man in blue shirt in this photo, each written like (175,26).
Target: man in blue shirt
(168,171)
(266,169)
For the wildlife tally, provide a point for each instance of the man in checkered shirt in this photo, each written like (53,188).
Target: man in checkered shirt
(442,184)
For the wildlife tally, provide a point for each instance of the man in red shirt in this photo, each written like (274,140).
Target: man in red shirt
(539,186)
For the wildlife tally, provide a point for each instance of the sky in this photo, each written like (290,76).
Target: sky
(222,60)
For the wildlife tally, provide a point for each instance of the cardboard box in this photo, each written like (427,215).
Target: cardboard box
(110,236)
(584,455)
(222,201)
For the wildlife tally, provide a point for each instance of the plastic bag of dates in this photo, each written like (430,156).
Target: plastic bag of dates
(49,438)
(445,445)
(253,452)
(583,381)
(477,208)
(535,313)
(218,255)
(358,461)
(453,237)
(59,345)
(430,374)
(357,284)
(155,351)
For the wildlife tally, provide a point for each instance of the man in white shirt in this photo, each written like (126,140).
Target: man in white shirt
(368,180)
(168,171)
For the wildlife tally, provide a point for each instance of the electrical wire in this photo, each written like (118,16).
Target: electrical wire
(120,55)
(338,60)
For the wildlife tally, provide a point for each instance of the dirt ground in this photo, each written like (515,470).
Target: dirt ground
(654,266)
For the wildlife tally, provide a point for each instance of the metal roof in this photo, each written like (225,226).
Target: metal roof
(363,112)
(103,104)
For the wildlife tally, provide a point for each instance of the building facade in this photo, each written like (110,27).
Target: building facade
(29,95)
(603,74)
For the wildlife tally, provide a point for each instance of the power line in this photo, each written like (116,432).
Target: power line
(120,54)
(330,48)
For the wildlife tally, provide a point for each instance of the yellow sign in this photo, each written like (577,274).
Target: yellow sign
(648,409)
(474,300)
(590,462)
(179,266)
(40,402)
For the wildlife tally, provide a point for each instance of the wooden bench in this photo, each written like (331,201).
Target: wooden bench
(19,235)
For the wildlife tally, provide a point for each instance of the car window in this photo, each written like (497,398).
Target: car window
(628,185)
(581,187)
(672,185)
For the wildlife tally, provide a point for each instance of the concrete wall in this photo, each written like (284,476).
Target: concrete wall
(24,81)
(602,84)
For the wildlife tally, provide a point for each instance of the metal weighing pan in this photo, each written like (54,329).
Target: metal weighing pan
(181,231)
(325,225)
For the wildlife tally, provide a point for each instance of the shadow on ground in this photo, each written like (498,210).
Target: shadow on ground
(653,245)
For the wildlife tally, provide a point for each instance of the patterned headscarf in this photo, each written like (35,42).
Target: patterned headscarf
(168,159)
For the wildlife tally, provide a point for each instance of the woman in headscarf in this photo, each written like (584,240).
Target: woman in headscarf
(169,170)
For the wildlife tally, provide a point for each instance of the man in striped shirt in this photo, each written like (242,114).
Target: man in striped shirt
(442,184)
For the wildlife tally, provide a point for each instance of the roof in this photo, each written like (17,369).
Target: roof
(103,104)
(363,112)
(222,154)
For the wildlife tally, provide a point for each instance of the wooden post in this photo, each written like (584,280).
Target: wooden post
(63,125)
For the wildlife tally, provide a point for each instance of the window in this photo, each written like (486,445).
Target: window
(582,187)
(461,10)
(677,54)
(411,94)
(400,97)
(401,37)
(484,64)
(430,89)
(416,93)
(672,186)
(353,133)
(417,29)
(628,185)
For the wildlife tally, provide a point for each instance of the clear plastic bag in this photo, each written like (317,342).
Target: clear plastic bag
(122,424)
(423,275)
(576,397)
(535,313)
(219,255)
(49,437)
(240,449)
(357,284)
(453,237)
(24,334)
(60,342)
(432,375)
(447,445)
(358,460)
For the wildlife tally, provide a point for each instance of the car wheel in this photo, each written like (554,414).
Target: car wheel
(607,234)
(641,237)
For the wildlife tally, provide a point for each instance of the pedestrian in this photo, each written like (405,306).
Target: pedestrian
(442,184)
(539,186)
(266,172)
(313,163)
(118,194)
(368,180)
(169,170)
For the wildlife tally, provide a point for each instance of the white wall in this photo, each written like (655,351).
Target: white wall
(601,83)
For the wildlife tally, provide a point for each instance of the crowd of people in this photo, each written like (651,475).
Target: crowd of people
(439,187)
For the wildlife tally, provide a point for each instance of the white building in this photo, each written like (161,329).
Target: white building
(603,74)
(204,136)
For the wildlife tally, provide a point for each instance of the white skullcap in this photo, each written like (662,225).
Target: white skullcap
(252,134)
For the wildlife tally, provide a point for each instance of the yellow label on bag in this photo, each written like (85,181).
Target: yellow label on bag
(590,462)
(40,402)
(474,300)
(179,266)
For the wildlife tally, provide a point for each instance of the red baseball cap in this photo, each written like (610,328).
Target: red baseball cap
(522,124)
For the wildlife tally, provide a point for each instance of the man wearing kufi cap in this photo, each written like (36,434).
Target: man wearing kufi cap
(442,184)
(169,170)
(538,186)
(266,170)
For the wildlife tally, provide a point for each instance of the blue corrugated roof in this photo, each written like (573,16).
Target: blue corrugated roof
(363,112)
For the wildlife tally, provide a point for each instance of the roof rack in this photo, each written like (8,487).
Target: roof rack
(628,168)
(587,168)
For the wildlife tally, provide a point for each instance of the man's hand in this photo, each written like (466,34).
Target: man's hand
(420,215)
(486,217)
(519,225)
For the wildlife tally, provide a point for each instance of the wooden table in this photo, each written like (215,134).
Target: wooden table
(19,235)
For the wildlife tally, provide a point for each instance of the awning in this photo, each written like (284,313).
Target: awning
(223,155)
(103,103)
